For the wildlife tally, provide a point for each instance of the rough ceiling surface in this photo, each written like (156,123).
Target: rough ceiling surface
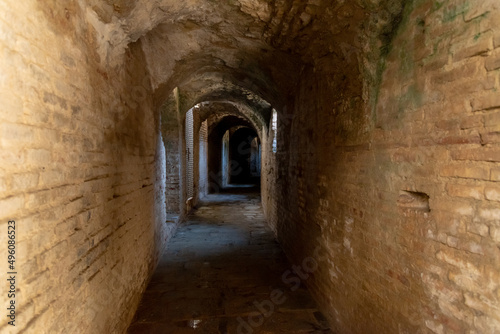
(252,49)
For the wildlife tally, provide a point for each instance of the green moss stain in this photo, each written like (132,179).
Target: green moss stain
(410,100)
(406,58)
(387,36)
(437,5)
(451,13)
(390,31)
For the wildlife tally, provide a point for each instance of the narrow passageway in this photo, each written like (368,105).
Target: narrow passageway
(372,128)
(223,272)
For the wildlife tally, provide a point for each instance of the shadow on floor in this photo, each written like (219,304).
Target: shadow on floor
(222,273)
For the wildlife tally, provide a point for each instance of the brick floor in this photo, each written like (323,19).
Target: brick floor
(222,273)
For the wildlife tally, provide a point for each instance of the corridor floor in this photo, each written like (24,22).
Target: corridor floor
(222,273)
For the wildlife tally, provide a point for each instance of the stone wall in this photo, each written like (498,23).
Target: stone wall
(171,128)
(268,178)
(79,172)
(399,206)
(203,160)
(386,173)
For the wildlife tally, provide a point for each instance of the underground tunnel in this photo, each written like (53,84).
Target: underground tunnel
(250,166)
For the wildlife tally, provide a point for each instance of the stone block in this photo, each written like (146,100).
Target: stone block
(465,191)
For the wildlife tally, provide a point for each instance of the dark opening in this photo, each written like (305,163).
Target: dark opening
(241,158)
(414,200)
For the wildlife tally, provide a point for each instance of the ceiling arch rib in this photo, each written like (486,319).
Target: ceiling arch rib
(215,111)
(202,76)
(260,45)
(217,93)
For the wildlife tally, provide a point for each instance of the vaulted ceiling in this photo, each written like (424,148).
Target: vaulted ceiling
(245,51)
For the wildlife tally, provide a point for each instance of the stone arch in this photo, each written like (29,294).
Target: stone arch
(238,102)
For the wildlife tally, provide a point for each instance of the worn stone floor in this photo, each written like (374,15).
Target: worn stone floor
(222,273)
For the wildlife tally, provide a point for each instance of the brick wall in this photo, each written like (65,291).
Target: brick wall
(268,177)
(170,128)
(79,173)
(83,172)
(196,157)
(346,185)
(203,159)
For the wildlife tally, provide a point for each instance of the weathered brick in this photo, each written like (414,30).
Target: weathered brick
(461,207)
(10,207)
(423,52)
(480,154)
(435,326)
(443,28)
(12,108)
(475,48)
(434,64)
(38,158)
(492,121)
(466,191)
(452,241)
(460,312)
(493,62)
(52,178)
(55,253)
(24,182)
(486,102)
(470,86)
(492,193)
(496,40)
(490,138)
(465,172)
(478,228)
(476,10)
(16,135)
(489,214)
(472,122)
(475,303)
(457,73)
(485,323)
(473,247)
(4,186)
(451,256)
(495,174)
(473,138)
(467,282)
(442,237)
(447,124)
(495,233)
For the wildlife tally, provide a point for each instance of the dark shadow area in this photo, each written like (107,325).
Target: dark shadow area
(243,157)
(234,155)
(253,189)
(224,272)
